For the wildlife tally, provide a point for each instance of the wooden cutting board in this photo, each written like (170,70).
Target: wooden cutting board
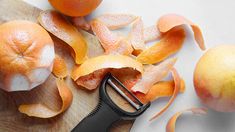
(84,101)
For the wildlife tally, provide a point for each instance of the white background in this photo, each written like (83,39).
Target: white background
(216,19)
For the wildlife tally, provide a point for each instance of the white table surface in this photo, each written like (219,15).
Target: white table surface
(216,19)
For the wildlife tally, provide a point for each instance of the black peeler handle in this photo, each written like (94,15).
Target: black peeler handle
(100,120)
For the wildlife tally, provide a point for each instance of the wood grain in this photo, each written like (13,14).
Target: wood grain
(12,120)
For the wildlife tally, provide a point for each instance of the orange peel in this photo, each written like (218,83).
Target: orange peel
(92,70)
(59,68)
(171,42)
(160,89)
(151,33)
(170,127)
(56,24)
(136,36)
(122,47)
(174,95)
(116,21)
(169,21)
(107,39)
(80,22)
(42,111)
(152,75)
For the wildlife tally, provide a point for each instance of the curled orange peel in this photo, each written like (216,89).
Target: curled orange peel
(169,21)
(90,73)
(42,111)
(116,21)
(175,93)
(81,22)
(152,75)
(107,39)
(136,35)
(160,89)
(56,24)
(171,123)
(170,43)
(59,68)
(151,33)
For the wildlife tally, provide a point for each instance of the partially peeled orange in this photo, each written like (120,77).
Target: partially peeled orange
(26,55)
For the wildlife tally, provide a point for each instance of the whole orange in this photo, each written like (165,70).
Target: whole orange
(214,78)
(75,7)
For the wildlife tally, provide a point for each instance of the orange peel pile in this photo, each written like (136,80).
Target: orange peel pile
(123,56)
(90,73)
(170,43)
(59,68)
(43,111)
(171,123)
(56,24)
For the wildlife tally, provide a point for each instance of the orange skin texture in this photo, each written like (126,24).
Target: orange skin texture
(75,7)
(214,78)
(171,43)
(60,69)
(20,47)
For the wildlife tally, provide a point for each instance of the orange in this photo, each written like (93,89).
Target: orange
(26,55)
(75,7)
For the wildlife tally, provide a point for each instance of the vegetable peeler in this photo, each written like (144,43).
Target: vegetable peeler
(107,112)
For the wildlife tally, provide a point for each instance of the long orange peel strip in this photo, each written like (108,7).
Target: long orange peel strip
(151,33)
(169,21)
(95,68)
(59,68)
(81,22)
(116,21)
(160,89)
(174,95)
(170,127)
(42,111)
(56,24)
(152,75)
(171,42)
(136,35)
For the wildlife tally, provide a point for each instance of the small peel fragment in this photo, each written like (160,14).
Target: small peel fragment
(160,89)
(81,22)
(42,111)
(116,21)
(170,127)
(136,35)
(122,47)
(107,39)
(56,24)
(174,95)
(152,75)
(59,68)
(171,42)
(90,73)
(151,34)
(169,21)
